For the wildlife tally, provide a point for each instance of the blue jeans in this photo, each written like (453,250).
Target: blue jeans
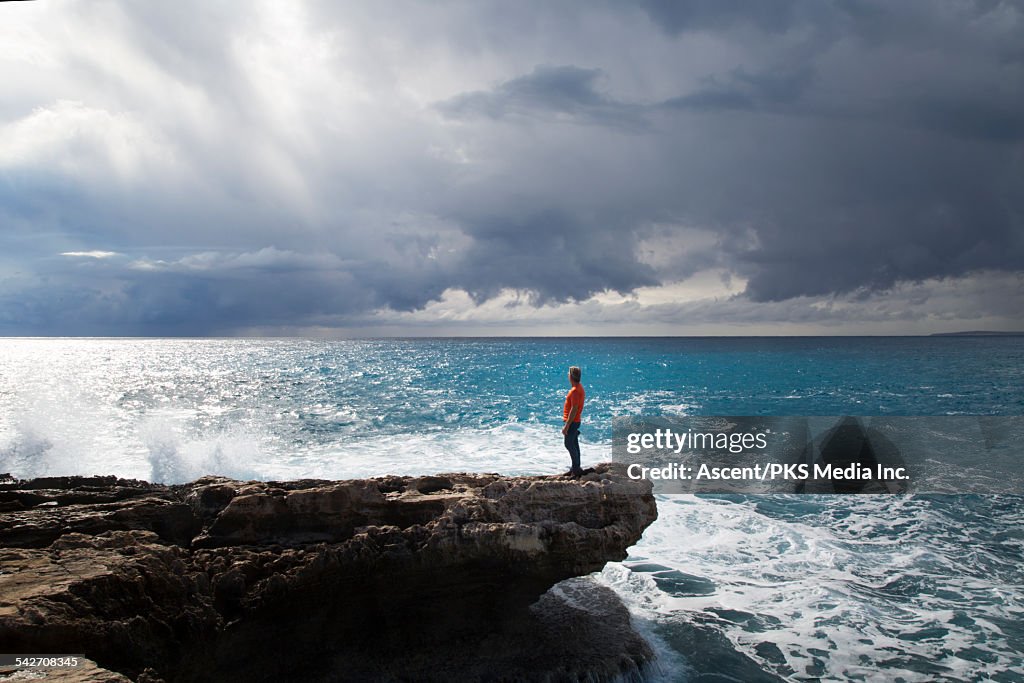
(572,444)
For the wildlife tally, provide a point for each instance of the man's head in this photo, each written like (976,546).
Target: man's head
(574,374)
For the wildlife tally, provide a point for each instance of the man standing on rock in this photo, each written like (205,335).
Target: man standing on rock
(571,416)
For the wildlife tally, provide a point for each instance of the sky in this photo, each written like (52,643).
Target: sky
(688,167)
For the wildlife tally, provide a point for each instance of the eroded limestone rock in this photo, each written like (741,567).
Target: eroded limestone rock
(394,578)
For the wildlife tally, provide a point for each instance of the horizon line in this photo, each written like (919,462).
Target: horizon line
(976,333)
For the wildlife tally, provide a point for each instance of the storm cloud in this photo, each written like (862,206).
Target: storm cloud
(218,169)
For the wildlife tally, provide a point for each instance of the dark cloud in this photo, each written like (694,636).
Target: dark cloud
(741,90)
(199,295)
(696,15)
(550,253)
(548,91)
(271,164)
(997,119)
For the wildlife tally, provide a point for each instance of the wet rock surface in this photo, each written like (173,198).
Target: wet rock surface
(396,578)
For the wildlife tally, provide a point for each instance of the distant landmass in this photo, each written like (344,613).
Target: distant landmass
(977,333)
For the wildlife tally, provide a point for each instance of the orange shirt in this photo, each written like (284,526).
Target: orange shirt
(574,398)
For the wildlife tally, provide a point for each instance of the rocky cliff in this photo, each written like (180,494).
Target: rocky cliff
(396,578)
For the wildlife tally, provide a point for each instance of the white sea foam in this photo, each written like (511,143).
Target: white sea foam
(660,401)
(854,595)
(637,590)
(175,457)
(509,448)
(56,428)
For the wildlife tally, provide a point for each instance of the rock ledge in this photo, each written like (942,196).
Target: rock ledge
(395,578)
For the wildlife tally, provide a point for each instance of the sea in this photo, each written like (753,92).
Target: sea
(724,587)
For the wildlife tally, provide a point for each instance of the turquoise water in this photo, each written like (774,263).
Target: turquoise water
(812,587)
